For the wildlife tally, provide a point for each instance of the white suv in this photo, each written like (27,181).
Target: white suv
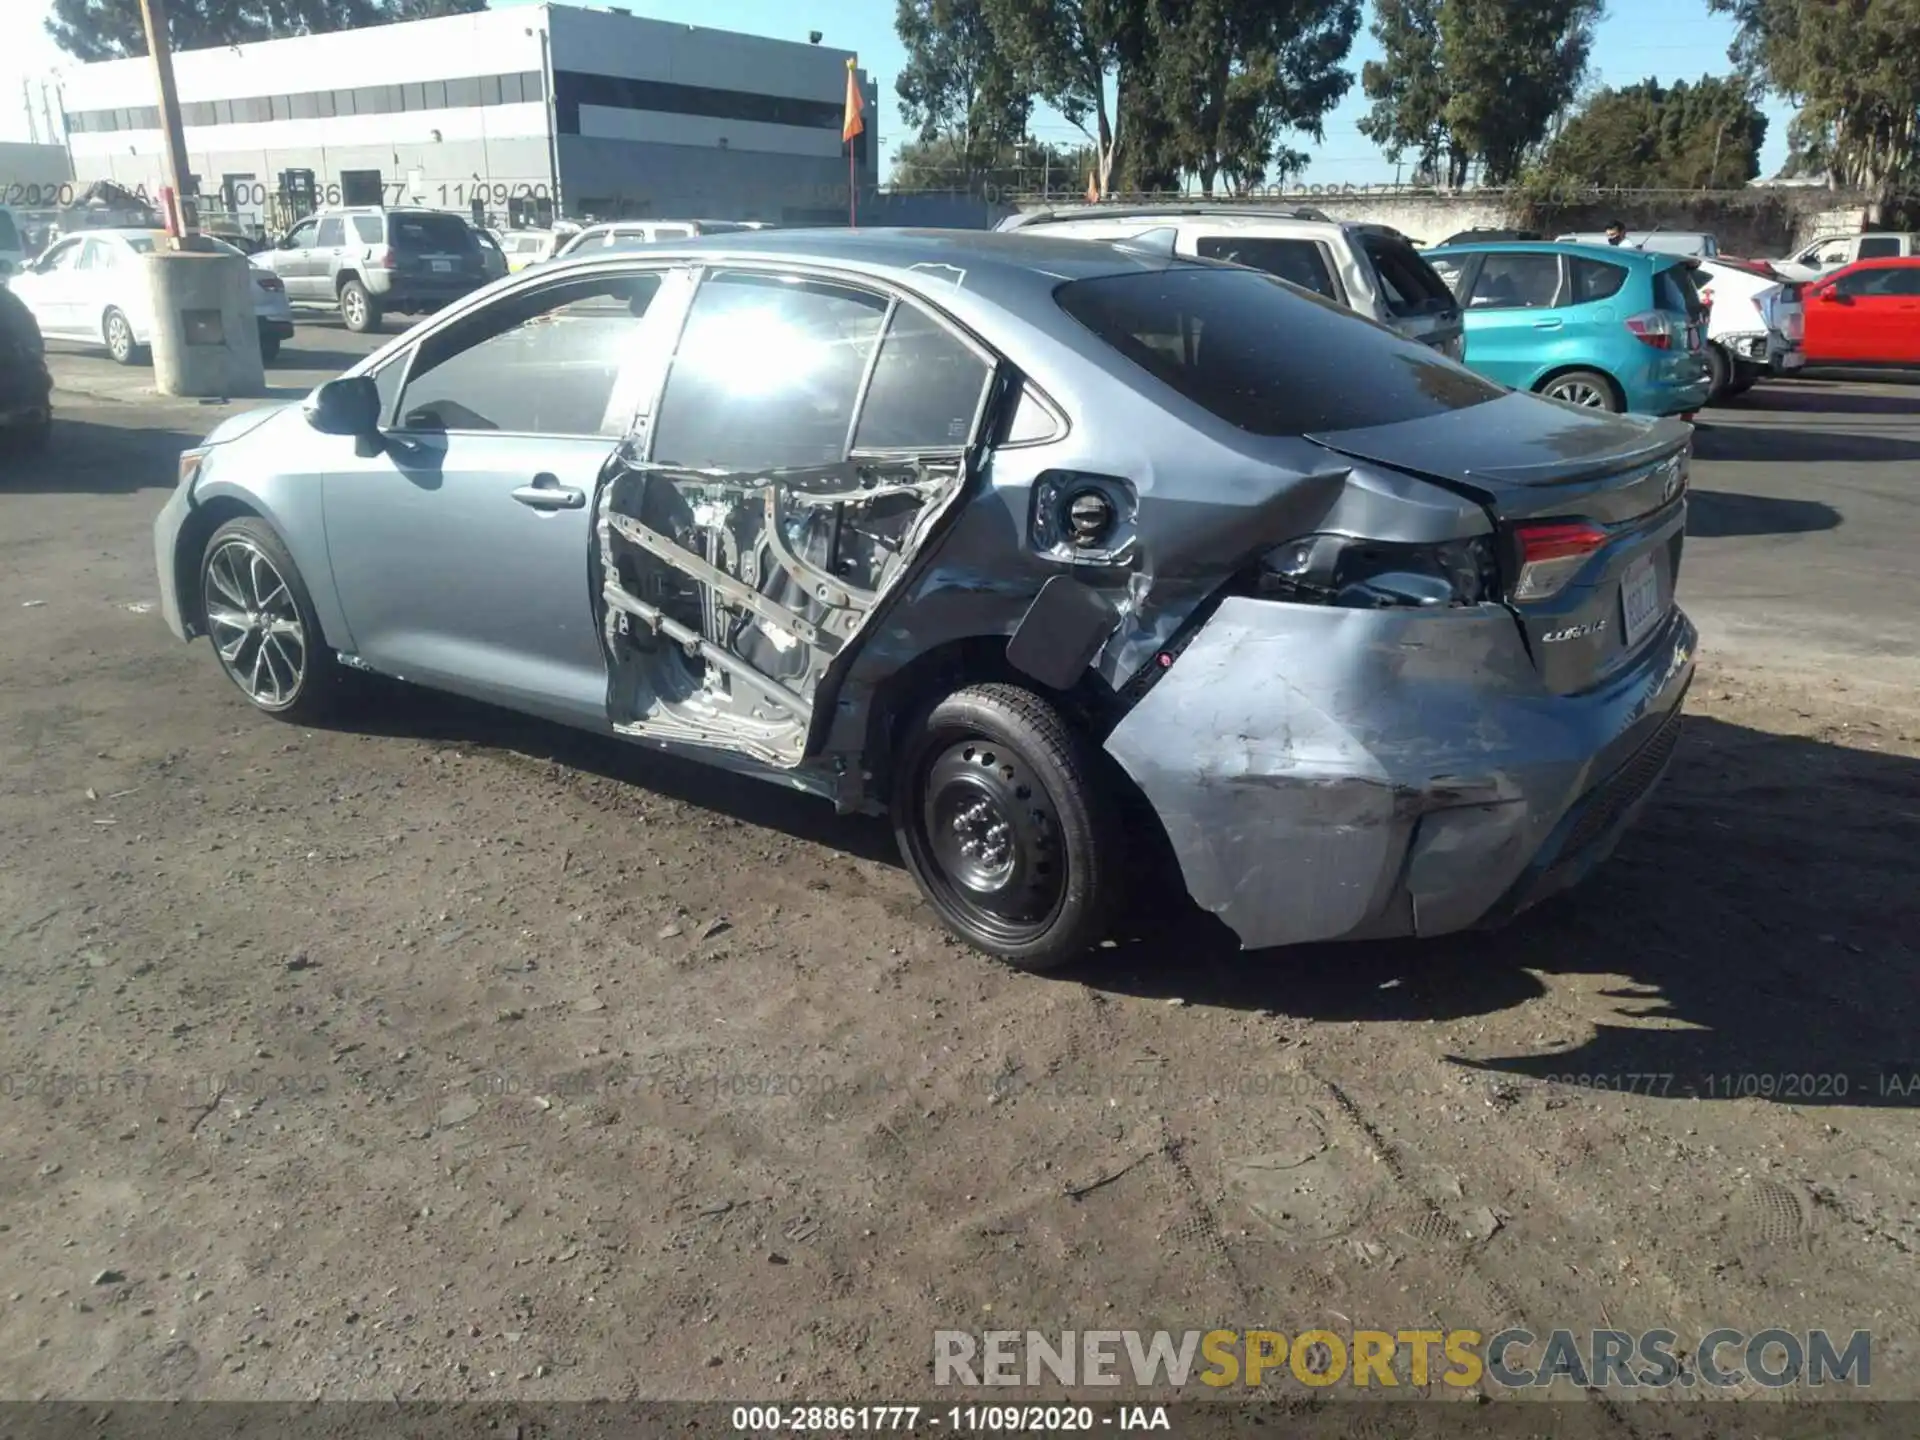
(1368,268)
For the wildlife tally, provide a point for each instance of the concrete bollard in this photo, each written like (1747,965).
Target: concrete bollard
(206,341)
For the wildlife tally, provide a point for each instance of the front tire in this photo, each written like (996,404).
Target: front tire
(358,309)
(118,332)
(1587,388)
(260,619)
(1001,816)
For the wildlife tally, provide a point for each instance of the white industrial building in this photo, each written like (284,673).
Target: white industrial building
(534,111)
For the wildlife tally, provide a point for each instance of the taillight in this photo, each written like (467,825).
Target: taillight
(1706,298)
(383,260)
(270,282)
(1551,554)
(1654,328)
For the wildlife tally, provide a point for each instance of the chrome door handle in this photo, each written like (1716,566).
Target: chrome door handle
(1547,324)
(547,493)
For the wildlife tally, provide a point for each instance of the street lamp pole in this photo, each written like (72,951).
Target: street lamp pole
(180,221)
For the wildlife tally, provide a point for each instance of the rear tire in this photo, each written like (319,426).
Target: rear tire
(358,309)
(118,333)
(1001,816)
(1719,373)
(1587,388)
(269,349)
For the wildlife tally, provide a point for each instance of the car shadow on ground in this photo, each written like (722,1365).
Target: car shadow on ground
(1756,934)
(1822,394)
(1783,444)
(1757,929)
(409,712)
(333,362)
(84,457)
(1720,514)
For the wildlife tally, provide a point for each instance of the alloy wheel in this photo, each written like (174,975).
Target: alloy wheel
(1579,392)
(353,305)
(255,625)
(989,830)
(119,337)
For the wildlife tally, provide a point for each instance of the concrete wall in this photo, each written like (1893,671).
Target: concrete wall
(28,171)
(1763,221)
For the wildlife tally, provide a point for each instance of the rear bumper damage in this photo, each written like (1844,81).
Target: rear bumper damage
(1331,774)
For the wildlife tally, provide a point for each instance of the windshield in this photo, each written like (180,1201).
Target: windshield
(1267,357)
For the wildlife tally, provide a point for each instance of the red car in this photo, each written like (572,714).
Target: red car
(1865,314)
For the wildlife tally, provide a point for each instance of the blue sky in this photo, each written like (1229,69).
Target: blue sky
(1668,39)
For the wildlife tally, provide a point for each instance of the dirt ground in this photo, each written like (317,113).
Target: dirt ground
(462,1055)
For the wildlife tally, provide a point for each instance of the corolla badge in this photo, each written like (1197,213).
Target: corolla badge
(1672,487)
(1574,632)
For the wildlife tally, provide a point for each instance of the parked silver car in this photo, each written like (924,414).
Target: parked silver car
(372,260)
(1031,544)
(1370,269)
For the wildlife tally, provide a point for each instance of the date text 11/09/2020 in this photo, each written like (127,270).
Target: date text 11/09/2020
(963,1419)
(393,193)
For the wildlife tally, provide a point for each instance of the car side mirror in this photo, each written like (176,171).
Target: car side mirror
(1835,297)
(347,406)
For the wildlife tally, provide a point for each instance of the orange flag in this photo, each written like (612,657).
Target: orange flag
(854,122)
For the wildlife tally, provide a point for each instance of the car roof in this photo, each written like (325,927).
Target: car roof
(990,262)
(1614,253)
(1064,213)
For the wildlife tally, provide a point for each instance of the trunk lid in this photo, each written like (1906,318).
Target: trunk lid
(1532,462)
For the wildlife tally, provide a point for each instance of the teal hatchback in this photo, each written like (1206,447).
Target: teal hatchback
(1603,326)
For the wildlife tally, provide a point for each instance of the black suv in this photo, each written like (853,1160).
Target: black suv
(372,259)
(26,389)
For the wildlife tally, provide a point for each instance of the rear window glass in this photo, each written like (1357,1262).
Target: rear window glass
(1408,283)
(1674,290)
(1879,246)
(1299,262)
(429,232)
(1596,280)
(1265,357)
(367,227)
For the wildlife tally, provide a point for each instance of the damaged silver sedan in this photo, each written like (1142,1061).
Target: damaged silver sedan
(1034,545)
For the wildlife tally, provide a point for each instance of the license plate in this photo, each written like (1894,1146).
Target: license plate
(1639,599)
(443,267)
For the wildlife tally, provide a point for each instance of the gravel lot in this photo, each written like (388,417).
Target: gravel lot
(463,1055)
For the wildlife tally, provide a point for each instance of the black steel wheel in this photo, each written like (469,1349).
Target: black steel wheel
(1002,816)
